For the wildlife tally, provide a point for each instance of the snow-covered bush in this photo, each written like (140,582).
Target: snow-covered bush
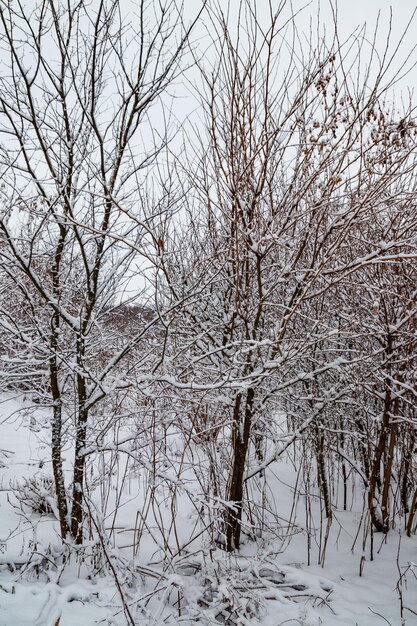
(36,494)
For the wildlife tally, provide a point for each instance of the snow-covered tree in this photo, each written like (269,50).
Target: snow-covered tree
(78,83)
(288,184)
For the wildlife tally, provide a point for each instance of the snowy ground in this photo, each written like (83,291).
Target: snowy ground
(277,585)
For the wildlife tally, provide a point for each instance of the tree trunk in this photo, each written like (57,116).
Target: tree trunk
(241,437)
(79,461)
(379,520)
(56,445)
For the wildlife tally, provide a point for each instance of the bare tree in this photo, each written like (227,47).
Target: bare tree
(282,246)
(298,156)
(77,87)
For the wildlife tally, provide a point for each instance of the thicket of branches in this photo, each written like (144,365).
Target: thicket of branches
(198,313)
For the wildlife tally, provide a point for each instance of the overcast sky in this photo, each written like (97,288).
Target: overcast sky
(352,15)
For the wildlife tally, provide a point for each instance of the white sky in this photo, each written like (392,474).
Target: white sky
(352,15)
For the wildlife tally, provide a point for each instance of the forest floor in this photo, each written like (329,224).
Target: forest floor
(272,577)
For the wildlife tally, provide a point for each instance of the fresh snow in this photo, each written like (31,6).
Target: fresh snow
(270,577)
